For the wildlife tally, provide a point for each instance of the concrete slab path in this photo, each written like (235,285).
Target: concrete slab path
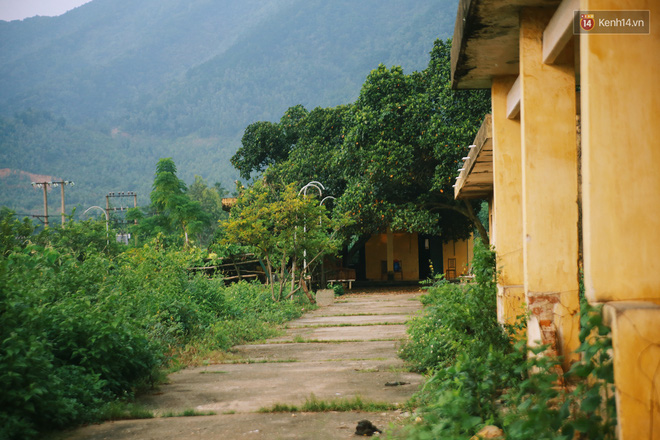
(341,351)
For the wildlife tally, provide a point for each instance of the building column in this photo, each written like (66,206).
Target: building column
(506,231)
(549,192)
(620,102)
(390,252)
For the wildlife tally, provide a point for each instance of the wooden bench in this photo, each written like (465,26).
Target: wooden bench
(348,280)
(342,275)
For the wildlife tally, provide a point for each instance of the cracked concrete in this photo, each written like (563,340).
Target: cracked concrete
(340,351)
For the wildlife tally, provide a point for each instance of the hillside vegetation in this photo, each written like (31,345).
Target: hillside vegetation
(99,94)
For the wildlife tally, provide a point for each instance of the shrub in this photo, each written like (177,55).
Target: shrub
(457,319)
(83,325)
(480,375)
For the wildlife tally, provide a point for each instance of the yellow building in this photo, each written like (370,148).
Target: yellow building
(411,257)
(574,173)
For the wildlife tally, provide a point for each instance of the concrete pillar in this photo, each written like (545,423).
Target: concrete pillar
(506,231)
(549,191)
(620,103)
(621,161)
(390,251)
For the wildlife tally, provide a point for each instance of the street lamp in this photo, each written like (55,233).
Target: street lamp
(323,260)
(107,220)
(312,184)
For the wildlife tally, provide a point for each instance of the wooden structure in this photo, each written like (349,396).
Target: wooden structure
(476,178)
(560,199)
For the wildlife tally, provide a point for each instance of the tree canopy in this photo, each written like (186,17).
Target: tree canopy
(172,208)
(288,231)
(390,157)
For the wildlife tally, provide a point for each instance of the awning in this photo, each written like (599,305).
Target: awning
(476,178)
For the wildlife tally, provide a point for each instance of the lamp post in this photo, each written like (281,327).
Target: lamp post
(323,259)
(312,184)
(107,221)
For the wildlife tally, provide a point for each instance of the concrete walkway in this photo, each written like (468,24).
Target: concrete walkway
(340,351)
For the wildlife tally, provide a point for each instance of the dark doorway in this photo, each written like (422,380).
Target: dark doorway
(430,256)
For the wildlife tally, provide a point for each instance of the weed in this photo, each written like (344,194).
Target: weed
(481,375)
(119,410)
(313,404)
(188,413)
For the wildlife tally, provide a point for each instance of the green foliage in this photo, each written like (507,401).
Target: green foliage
(84,324)
(338,289)
(482,376)
(62,355)
(285,230)
(173,212)
(587,409)
(389,158)
(458,318)
(210,200)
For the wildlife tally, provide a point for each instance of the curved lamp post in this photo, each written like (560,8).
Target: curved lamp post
(107,220)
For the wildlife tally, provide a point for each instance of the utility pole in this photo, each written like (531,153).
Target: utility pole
(62,184)
(44,185)
(121,194)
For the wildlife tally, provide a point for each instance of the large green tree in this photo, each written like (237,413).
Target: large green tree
(390,157)
(289,231)
(172,211)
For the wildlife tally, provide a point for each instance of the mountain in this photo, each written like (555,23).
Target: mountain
(99,94)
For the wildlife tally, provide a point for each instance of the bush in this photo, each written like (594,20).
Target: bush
(62,356)
(83,324)
(480,375)
(457,319)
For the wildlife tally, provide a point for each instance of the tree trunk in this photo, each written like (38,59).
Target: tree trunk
(477,223)
(467,212)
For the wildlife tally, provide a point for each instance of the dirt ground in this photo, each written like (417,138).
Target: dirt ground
(341,351)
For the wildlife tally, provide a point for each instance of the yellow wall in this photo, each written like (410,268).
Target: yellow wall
(549,188)
(620,101)
(506,232)
(405,249)
(621,160)
(460,250)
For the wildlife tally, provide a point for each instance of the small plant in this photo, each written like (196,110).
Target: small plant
(338,288)
(313,404)
(482,375)
(188,413)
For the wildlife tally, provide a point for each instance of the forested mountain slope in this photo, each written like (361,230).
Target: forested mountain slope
(99,94)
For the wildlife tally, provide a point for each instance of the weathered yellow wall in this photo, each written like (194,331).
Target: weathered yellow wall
(620,101)
(506,231)
(462,251)
(636,346)
(621,160)
(405,249)
(549,190)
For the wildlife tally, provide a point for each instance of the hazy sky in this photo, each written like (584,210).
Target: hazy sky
(19,9)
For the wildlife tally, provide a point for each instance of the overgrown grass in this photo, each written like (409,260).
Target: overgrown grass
(480,374)
(118,410)
(84,323)
(368,324)
(302,340)
(313,404)
(188,413)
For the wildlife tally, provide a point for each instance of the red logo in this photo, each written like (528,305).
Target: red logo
(587,21)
